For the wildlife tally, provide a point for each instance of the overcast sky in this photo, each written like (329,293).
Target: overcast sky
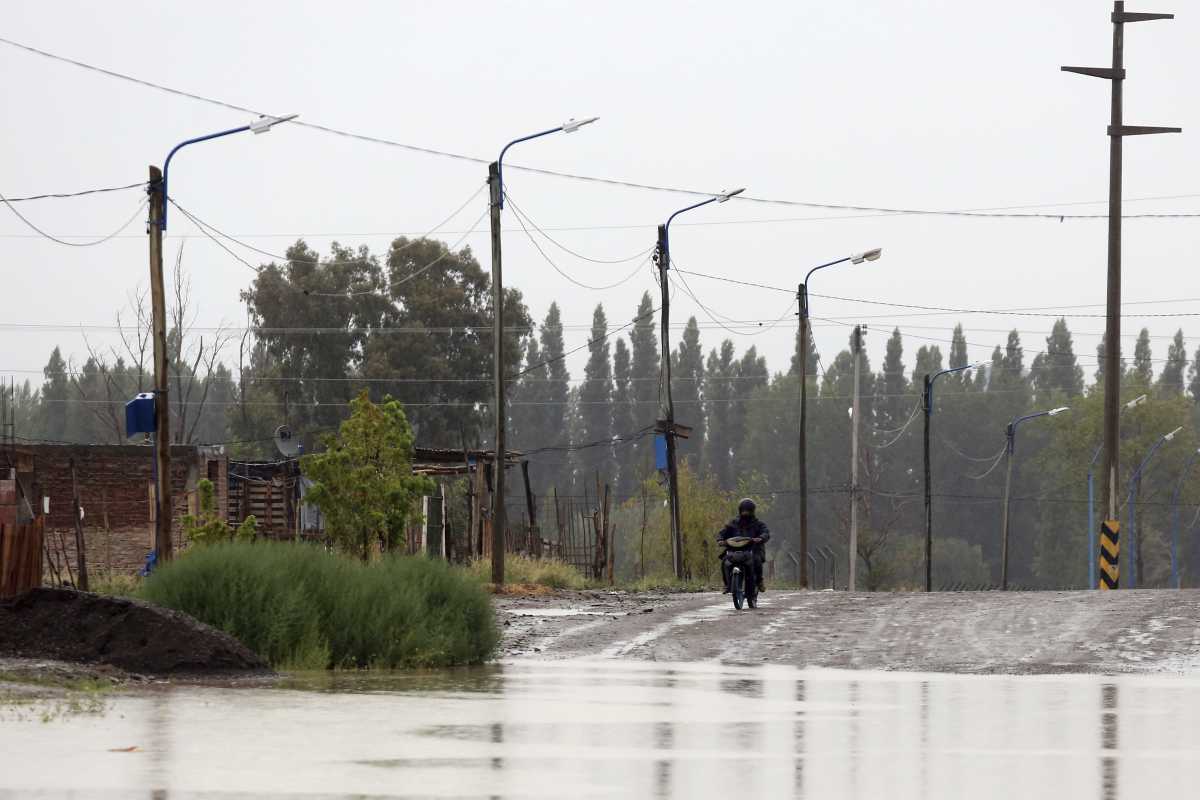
(924,105)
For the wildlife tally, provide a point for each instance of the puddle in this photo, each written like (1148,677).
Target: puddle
(611,729)
(562,612)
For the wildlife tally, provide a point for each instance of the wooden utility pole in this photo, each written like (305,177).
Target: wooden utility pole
(80,547)
(854,459)
(162,406)
(496,198)
(668,427)
(1117,130)
(535,532)
(802,298)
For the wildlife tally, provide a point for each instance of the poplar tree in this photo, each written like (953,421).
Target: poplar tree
(553,417)
(959,358)
(623,418)
(720,372)
(751,374)
(527,396)
(929,362)
(1143,367)
(646,382)
(644,343)
(1170,381)
(1194,378)
(595,402)
(687,372)
(55,394)
(1056,371)
(892,384)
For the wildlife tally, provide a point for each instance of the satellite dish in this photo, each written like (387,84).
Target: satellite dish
(287,446)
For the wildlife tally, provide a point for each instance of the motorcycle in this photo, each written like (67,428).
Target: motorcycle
(739,553)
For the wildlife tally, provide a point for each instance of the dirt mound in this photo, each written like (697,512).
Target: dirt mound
(138,637)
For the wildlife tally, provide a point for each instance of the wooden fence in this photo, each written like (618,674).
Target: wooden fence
(21,557)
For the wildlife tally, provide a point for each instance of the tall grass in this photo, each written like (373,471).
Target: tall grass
(303,608)
(548,572)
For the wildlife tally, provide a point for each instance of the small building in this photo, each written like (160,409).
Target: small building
(116,492)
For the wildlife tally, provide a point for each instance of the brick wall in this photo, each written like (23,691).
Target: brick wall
(115,488)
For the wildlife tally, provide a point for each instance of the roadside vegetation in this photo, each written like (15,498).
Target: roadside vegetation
(301,607)
(525,571)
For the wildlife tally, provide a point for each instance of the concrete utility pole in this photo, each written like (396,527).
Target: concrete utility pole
(162,406)
(927,401)
(668,409)
(802,299)
(496,194)
(1112,333)
(857,349)
(1010,446)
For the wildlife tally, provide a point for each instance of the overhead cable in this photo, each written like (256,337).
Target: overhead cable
(874,210)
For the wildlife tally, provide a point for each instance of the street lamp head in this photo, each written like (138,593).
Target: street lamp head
(1168,437)
(870,255)
(572,125)
(264,123)
(723,196)
(1137,401)
(1056,411)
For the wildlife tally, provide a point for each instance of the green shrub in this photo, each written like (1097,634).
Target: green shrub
(548,572)
(303,608)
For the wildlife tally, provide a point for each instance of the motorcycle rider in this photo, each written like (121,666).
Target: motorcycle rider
(746,524)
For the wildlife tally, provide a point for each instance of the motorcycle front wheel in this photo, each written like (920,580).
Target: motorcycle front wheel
(737,585)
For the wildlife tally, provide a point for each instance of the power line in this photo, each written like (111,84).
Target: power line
(355,262)
(946,309)
(645,259)
(998,213)
(81,193)
(56,239)
(521,215)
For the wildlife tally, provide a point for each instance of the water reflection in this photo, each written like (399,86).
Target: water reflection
(615,729)
(1108,740)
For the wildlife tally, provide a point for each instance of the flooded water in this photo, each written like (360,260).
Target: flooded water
(608,729)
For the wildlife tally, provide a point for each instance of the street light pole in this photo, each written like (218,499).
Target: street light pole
(1175,519)
(802,343)
(927,398)
(158,201)
(495,206)
(1135,488)
(662,257)
(1117,130)
(1091,537)
(1010,446)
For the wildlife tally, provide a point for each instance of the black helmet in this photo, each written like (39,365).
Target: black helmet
(746,504)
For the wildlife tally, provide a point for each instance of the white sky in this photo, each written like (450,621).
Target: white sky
(935,105)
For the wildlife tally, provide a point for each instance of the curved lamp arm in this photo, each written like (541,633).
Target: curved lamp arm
(570,126)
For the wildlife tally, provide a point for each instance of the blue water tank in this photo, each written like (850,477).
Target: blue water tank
(139,414)
(660,451)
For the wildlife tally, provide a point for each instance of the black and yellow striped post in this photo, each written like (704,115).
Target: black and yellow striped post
(1110,552)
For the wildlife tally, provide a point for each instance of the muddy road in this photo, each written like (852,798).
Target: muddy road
(1012,633)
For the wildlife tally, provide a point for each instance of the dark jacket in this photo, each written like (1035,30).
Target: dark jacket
(752,527)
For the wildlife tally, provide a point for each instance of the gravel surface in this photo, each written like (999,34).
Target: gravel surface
(1139,631)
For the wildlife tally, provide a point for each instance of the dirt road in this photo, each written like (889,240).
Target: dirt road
(964,632)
